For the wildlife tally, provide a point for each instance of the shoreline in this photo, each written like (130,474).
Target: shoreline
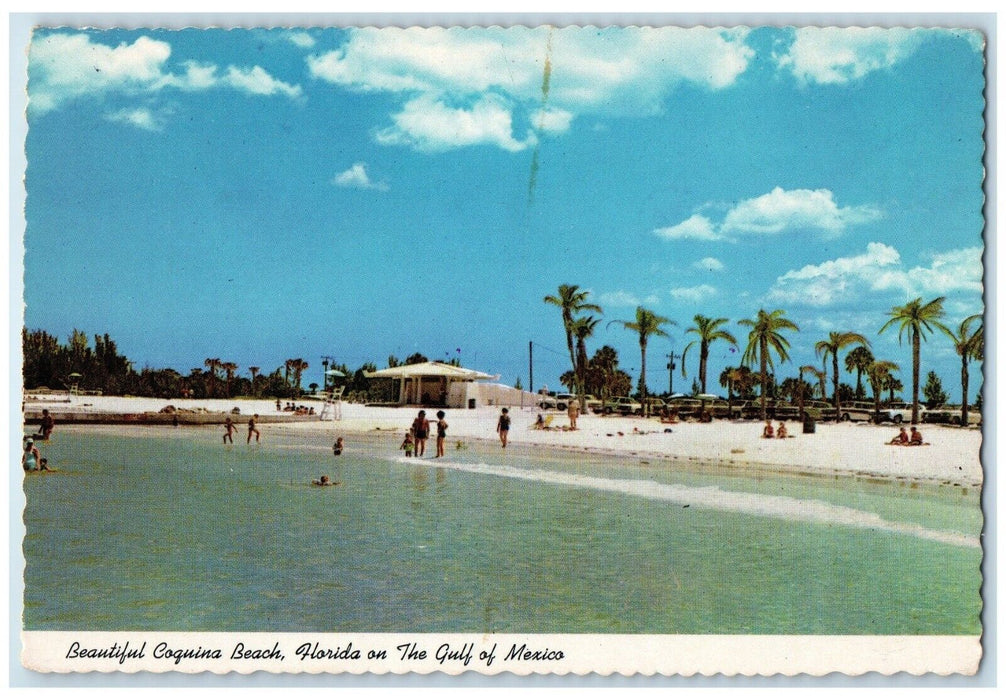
(850,450)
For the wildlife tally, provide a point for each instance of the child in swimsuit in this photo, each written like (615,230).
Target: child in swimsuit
(407,444)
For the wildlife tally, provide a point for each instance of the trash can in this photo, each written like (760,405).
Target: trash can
(809,424)
(471,403)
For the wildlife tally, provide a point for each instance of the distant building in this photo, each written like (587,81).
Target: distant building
(441,384)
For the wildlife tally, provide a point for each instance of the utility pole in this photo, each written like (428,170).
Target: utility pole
(670,373)
(530,366)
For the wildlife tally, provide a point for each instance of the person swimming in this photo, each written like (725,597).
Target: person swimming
(324,481)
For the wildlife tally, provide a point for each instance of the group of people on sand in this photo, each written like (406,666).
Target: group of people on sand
(904,439)
(419,433)
(769,432)
(230,428)
(290,407)
(572,411)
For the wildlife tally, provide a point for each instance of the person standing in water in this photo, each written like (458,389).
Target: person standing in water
(421,431)
(30,459)
(46,426)
(441,433)
(229,430)
(252,430)
(503,426)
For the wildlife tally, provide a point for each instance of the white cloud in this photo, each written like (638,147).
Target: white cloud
(430,125)
(622,298)
(300,39)
(709,264)
(590,73)
(842,54)
(879,269)
(257,81)
(553,121)
(64,67)
(142,118)
(696,227)
(776,212)
(784,210)
(693,294)
(356,176)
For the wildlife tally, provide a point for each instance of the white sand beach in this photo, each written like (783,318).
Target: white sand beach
(952,456)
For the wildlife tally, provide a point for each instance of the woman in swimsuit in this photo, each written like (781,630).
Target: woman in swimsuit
(503,426)
(421,431)
(30,459)
(441,433)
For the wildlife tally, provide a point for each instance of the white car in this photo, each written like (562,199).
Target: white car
(897,412)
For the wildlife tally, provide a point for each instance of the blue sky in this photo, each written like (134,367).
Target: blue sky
(257,195)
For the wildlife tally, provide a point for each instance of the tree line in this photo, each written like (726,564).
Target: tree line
(767,344)
(49,363)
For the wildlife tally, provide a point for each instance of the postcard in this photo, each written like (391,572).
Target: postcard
(521,349)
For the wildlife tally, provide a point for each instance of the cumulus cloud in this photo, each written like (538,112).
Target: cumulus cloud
(836,55)
(621,298)
(591,71)
(257,81)
(879,269)
(696,227)
(709,264)
(300,39)
(356,176)
(66,67)
(697,293)
(141,118)
(778,211)
(427,124)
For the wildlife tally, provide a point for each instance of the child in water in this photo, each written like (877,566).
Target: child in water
(323,481)
(337,447)
(407,444)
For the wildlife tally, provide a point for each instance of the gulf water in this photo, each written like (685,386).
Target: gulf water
(167,529)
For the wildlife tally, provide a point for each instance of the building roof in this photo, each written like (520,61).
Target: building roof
(429,369)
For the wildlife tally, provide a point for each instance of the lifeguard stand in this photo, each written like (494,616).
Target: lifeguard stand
(332,410)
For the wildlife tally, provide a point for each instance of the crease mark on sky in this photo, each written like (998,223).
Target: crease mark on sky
(546,82)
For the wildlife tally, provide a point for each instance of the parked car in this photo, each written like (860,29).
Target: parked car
(558,402)
(949,414)
(857,411)
(655,406)
(718,408)
(819,410)
(684,407)
(593,403)
(896,412)
(623,405)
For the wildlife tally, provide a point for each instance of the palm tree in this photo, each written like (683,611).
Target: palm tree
(646,324)
(818,374)
(858,359)
(229,368)
(254,373)
(917,318)
(766,336)
(572,301)
(970,345)
(728,377)
(835,342)
(297,366)
(891,384)
(214,364)
(876,372)
(708,330)
(583,327)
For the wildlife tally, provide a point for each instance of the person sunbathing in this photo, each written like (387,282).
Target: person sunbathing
(781,430)
(900,439)
(915,438)
(768,432)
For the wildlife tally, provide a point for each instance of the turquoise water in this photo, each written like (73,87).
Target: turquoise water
(166,529)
